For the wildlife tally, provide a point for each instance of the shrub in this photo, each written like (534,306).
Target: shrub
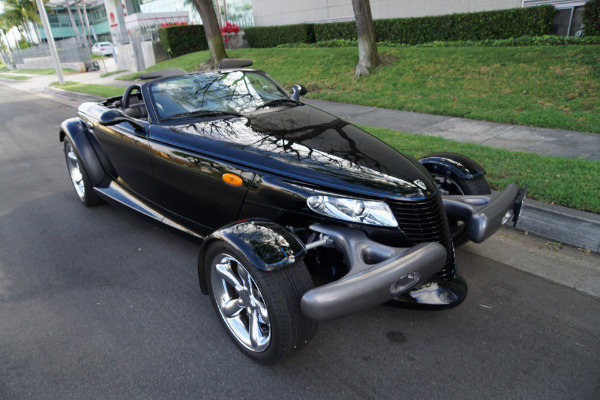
(183,39)
(271,36)
(546,40)
(591,17)
(501,24)
(336,30)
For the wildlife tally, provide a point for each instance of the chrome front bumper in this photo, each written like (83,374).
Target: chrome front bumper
(377,274)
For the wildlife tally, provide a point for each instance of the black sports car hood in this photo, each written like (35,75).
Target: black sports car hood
(304,143)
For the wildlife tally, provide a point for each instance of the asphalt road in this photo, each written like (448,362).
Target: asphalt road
(96,303)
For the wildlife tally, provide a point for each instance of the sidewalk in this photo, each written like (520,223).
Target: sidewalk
(554,142)
(560,224)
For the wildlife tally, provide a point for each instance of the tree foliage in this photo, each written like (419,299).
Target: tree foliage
(591,17)
(19,14)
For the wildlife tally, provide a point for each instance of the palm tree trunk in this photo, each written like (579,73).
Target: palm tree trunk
(82,23)
(71,18)
(87,22)
(37,32)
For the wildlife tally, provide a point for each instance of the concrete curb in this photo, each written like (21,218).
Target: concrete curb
(561,224)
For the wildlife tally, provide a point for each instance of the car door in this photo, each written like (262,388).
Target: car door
(198,190)
(127,149)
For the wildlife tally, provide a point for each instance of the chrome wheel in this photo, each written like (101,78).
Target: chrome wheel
(75,170)
(447,185)
(240,303)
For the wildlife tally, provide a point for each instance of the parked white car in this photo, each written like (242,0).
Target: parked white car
(103,48)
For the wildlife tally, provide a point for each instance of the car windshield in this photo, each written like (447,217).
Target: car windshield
(212,92)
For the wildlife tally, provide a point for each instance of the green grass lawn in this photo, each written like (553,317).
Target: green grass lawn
(14,77)
(41,71)
(546,86)
(570,182)
(111,73)
(550,86)
(98,90)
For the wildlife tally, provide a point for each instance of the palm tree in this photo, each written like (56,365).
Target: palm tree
(20,13)
(5,26)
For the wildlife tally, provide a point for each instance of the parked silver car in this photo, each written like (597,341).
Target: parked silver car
(103,48)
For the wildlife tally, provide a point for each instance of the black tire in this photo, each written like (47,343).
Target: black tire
(273,306)
(457,186)
(79,177)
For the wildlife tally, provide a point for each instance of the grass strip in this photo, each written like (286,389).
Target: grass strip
(41,71)
(112,73)
(569,182)
(15,77)
(90,88)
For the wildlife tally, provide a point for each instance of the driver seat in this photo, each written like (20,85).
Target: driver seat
(138,111)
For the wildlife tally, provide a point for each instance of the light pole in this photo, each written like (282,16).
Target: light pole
(50,39)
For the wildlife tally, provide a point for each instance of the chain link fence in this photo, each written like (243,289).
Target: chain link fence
(72,50)
(567,22)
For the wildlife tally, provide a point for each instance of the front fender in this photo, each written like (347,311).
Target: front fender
(76,131)
(266,244)
(452,164)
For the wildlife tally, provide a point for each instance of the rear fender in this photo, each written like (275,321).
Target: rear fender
(76,131)
(452,164)
(266,244)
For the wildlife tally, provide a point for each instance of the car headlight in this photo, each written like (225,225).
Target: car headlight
(353,210)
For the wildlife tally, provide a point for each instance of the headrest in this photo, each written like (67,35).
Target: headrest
(227,63)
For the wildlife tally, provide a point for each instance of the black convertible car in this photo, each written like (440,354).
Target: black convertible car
(283,196)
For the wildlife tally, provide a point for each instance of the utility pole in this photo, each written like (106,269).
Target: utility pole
(50,39)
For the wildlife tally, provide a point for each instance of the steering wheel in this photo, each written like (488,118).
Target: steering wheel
(127,94)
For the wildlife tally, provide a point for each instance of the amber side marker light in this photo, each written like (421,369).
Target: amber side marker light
(232,179)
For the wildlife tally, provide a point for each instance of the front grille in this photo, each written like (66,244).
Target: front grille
(425,221)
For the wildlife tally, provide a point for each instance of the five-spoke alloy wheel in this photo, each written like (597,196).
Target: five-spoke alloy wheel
(259,309)
(240,303)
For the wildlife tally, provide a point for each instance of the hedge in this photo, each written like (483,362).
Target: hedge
(271,36)
(336,30)
(487,25)
(546,40)
(183,39)
(591,17)
(501,24)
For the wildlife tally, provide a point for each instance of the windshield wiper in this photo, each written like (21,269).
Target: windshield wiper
(203,113)
(275,102)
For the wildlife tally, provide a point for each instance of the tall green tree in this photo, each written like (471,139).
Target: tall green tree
(213,32)
(367,45)
(5,26)
(20,13)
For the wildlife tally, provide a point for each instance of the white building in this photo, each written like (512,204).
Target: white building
(286,12)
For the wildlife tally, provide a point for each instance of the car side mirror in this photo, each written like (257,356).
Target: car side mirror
(116,116)
(297,91)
